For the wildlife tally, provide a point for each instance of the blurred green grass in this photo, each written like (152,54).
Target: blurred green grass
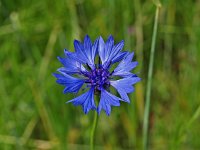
(33,113)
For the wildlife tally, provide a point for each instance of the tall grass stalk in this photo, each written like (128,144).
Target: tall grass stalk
(189,123)
(149,81)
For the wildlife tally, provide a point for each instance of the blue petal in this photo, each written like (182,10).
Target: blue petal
(108,47)
(58,76)
(125,83)
(94,49)
(101,50)
(67,52)
(106,101)
(125,66)
(124,74)
(73,88)
(115,50)
(88,48)
(110,53)
(119,57)
(105,49)
(70,66)
(86,100)
(80,52)
(84,53)
(72,84)
(75,56)
(123,95)
(114,57)
(124,86)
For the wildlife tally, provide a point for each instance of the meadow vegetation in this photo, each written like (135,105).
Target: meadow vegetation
(33,113)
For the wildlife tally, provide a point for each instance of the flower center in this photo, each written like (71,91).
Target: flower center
(99,77)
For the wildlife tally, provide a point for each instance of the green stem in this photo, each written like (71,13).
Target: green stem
(94,125)
(149,81)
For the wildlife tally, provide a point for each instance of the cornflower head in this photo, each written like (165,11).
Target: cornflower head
(91,65)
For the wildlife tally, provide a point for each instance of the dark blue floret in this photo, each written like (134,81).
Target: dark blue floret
(99,78)
(81,67)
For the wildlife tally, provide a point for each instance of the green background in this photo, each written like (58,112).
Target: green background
(33,113)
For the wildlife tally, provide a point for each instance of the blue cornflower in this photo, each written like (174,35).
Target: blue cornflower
(90,64)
